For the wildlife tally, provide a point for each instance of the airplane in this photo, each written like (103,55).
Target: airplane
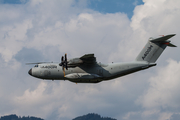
(85,69)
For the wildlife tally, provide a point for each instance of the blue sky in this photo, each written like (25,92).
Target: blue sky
(113,6)
(13,1)
(102,6)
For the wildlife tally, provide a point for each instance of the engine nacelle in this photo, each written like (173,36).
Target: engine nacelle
(82,76)
(74,62)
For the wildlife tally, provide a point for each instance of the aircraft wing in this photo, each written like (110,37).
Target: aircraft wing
(85,59)
(88,59)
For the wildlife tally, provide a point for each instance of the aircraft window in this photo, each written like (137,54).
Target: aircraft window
(36,66)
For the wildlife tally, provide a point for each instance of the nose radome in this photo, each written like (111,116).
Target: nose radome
(30,71)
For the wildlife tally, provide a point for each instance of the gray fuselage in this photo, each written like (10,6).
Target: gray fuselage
(87,73)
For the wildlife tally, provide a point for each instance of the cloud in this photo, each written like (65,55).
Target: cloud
(162,93)
(43,31)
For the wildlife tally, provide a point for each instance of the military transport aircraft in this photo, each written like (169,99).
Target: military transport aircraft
(86,70)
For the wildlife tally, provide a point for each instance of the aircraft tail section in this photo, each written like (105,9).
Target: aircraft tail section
(154,48)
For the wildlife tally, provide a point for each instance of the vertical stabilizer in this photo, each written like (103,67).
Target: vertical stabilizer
(153,49)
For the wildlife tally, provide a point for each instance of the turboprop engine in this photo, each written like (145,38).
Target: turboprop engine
(74,62)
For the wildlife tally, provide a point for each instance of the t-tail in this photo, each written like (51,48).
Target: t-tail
(153,49)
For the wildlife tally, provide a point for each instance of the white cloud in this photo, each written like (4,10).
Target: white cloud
(13,38)
(163,91)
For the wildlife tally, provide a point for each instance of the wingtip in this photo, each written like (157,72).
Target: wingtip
(171,45)
(173,34)
(169,36)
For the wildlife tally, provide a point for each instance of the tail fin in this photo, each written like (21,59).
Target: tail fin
(154,48)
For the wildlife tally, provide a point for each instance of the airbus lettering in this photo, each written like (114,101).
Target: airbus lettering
(147,52)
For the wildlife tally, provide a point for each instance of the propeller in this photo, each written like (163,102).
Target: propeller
(64,63)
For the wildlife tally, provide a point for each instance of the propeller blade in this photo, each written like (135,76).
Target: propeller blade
(64,71)
(62,68)
(64,63)
(62,58)
(66,66)
(66,57)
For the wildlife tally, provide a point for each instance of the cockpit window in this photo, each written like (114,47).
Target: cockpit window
(36,66)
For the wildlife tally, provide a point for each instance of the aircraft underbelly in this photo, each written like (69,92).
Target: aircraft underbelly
(86,80)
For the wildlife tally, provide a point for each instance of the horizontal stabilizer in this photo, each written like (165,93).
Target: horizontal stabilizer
(171,45)
(164,38)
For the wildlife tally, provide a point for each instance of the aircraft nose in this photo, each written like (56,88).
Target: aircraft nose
(30,71)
